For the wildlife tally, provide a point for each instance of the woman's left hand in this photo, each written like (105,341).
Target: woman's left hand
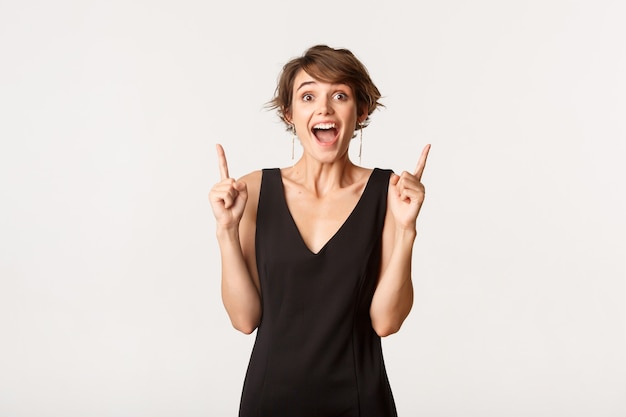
(406,194)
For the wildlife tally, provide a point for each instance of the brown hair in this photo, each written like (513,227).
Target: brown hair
(332,66)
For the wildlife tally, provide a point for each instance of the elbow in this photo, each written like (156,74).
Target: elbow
(386,323)
(245,326)
(245,329)
(387,329)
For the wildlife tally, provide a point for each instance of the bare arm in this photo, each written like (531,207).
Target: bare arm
(393,298)
(234,205)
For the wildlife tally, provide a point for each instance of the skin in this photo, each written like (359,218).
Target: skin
(321,190)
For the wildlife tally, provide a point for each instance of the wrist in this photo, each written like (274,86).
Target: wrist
(405,234)
(227,233)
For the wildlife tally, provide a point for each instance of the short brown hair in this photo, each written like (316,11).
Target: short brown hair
(332,66)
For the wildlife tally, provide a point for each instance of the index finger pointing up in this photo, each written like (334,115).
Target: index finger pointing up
(421,164)
(221,159)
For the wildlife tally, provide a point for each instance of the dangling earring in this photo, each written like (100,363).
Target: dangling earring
(293,142)
(360,141)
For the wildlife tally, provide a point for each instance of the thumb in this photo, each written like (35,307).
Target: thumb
(394,179)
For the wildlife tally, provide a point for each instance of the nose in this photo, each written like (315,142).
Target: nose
(325,106)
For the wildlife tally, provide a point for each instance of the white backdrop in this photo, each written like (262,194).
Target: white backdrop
(109,113)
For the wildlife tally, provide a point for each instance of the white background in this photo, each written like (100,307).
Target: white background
(109,114)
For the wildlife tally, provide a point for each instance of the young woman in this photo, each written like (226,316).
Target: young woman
(317,256)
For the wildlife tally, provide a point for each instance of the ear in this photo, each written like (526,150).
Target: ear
(287,116)
(362,114)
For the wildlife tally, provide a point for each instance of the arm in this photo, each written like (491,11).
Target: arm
(393,297)
(234,205)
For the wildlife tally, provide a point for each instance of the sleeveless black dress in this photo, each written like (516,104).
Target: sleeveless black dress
(316,353)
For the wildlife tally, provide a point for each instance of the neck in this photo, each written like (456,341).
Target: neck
(323,177)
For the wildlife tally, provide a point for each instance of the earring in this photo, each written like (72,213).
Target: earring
(293,141)
(360,141)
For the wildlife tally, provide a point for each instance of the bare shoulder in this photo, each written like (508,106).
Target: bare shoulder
(253,184)
(252,180)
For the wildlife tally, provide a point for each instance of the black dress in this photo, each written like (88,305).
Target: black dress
(316,353)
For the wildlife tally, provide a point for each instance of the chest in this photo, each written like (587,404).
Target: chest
(318,219)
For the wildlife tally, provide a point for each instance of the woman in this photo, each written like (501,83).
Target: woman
(317,256)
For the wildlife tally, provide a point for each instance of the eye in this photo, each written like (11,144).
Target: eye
(341,96)
(307,97)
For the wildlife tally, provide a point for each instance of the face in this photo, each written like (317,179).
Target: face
(324,115)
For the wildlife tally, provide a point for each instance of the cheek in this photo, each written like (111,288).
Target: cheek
(301,115)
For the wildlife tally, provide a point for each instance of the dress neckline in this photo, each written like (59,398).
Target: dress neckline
(335,235)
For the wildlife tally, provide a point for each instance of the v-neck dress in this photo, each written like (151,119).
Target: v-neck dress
(316,353)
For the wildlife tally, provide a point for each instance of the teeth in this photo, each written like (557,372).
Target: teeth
(324,126)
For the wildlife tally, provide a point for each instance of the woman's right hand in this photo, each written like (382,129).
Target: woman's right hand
(228,197)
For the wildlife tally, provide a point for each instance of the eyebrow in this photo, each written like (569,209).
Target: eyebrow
(305,83)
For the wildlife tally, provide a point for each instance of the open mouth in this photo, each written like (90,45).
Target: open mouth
(325,133)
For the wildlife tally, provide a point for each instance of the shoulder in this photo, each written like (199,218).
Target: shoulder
(383,174)
(252,180)
(385,171)
(253,186)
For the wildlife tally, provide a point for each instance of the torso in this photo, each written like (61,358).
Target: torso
(316,352)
